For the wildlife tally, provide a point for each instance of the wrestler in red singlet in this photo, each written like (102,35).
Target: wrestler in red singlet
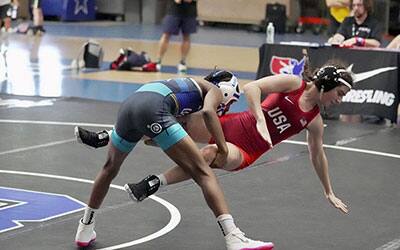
(283,116)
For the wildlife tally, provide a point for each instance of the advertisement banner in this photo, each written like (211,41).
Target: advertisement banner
(376,72)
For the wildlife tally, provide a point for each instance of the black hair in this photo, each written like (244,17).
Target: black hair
(331,75)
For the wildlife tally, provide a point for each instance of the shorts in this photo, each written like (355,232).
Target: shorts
(3,11)
(173,24)
(35,3)
(149,111)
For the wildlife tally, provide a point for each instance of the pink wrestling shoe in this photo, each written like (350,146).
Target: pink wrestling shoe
(236,240)
(85,234)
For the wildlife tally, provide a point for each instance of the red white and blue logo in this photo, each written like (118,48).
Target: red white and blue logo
(286,65)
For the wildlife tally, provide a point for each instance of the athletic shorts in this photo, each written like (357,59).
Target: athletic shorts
(35,3)
(149,111)
(3,11)
(173,24)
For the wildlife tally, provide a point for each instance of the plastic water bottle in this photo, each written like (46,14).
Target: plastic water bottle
(270,33)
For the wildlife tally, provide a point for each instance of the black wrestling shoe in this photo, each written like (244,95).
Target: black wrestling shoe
(92,139)
(143,189)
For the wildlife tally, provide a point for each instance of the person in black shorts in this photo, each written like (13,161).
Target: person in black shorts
(181,17)
(361,29)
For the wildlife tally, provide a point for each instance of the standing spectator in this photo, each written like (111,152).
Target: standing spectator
(37,14)
(5,20)
(338,11)
(181,16)
(361,29)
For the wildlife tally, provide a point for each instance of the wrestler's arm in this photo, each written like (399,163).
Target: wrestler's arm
(212,99)
(320,162)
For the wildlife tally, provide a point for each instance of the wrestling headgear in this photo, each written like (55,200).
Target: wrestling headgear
(229,86)
(329,77)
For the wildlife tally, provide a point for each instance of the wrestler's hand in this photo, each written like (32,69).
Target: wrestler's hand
(178,1)
(220,159)
(337,203)
(262,129)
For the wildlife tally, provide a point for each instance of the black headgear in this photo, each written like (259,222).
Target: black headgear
(329,77)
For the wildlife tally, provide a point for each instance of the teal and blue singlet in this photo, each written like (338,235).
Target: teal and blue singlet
(152,111)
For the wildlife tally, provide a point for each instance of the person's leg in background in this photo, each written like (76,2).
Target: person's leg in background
(38,18)
(189,26)
(185,47)
(170,27)
(162,48)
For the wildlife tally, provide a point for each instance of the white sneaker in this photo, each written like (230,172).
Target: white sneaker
(236,240)
(158,67)
(85,234)
(182,69)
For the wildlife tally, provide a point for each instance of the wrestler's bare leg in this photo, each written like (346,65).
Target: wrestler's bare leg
(234,160)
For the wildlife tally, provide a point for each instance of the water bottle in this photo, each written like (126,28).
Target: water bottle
(270,33)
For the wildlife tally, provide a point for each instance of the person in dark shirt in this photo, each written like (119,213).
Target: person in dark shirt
(181,16)
(361,29)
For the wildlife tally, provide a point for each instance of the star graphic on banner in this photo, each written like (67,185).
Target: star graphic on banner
(81,7)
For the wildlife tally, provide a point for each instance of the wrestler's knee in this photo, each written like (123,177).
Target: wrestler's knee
(209,152)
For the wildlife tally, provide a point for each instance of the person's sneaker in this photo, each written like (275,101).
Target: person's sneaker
(143,189)
(236,240)
(182,69)
(158,66)
(92,139)
(85,234)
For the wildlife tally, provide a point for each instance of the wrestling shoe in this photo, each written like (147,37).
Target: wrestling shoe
(92,139)
(236,240)
(143,189)
(85,234)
